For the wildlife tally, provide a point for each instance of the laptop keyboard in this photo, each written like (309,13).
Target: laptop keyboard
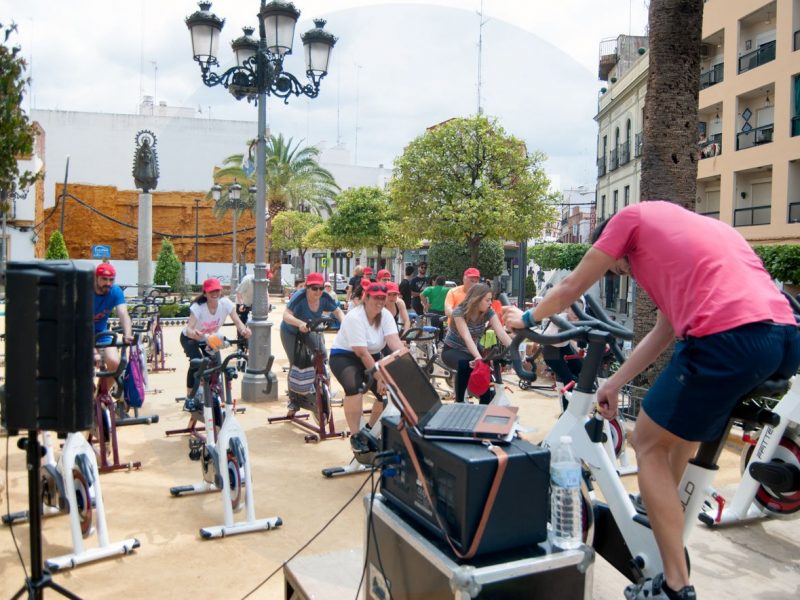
(456,417)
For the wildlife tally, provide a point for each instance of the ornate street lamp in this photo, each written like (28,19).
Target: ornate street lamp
(258,73)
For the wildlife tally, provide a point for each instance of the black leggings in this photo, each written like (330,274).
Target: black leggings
(459,360)
(563,370)
(351,373)
(192,349)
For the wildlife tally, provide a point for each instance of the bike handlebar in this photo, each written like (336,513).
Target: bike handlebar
(316,325)
(416,334)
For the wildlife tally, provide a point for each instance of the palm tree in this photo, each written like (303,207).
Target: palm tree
(294,179)
(669,153)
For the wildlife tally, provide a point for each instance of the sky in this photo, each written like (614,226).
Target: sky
(397,68)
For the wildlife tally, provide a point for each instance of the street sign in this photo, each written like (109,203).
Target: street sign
(101,251)
(323,262)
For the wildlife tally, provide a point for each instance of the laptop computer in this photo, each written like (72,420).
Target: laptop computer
(423,410)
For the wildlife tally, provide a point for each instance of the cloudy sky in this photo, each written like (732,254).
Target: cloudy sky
(397,67)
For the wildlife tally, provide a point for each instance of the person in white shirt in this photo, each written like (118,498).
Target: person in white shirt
(206,315)
(365,331)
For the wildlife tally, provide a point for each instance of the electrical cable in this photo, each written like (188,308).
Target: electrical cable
(371,530)
(8,504)
(314,537)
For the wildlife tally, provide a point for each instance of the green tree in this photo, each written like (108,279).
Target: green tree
(56,247)
(168,267)
(451,258)
(16,132)
(289,231)
(467,180)
(363,219)
(557,255)
(782,262)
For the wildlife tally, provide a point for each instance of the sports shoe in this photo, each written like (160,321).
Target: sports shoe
(364,446)
(656,589)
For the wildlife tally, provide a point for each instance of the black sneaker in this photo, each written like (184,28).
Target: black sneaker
(656,589)
(364,446)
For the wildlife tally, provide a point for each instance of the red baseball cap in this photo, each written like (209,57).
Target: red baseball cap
(376,290)
(472,272)
(105,270)
(211,284)
(392,287)
(315,279)
(480,378)
(364,283)
(384,274)
(367,271)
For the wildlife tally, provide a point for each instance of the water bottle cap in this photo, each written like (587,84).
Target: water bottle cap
(566,439)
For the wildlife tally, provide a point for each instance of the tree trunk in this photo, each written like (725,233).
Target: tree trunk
(474,247)
(379,249)
(302,254)
(669,153)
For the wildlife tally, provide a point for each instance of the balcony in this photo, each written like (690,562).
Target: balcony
(624,153)
(796,125)
(713,76)
(637,145)
(613,160)
(756,215)
(794,212)
(797,40)
(712,146)
(714,214)
(764,54)
(755,137)
(601,166)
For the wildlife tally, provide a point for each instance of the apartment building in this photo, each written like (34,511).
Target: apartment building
(748,131)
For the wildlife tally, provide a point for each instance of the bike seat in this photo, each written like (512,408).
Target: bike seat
(196,363)
(771,388)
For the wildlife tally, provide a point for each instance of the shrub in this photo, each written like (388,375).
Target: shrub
(558,256)
(451,259)
(168,267)
(56,247)
(782,262)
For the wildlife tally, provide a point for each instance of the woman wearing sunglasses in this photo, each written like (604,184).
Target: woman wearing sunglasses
(306,304)
(365,331)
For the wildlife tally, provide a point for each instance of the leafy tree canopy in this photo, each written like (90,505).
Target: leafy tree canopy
(56,247)
(16,132)
(168,267)
(466,180)
(290,227)
(361,219)
(782,262)
(557,256)
(451,258)
(319,237)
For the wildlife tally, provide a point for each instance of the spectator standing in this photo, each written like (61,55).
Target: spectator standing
(417,284)
(405,286)
(456,295)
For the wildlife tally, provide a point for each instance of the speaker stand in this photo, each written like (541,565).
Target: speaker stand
(40,578)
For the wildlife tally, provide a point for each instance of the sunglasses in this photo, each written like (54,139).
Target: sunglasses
(374,288)
(314,288)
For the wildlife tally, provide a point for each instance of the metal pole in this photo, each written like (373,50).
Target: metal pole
(196,237)
(523,273)
(64,196)
(234,270)
(260,347)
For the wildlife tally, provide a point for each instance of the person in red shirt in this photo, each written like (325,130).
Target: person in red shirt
(735,331)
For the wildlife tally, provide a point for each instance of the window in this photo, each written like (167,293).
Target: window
(616,201)
(626,198)
(603,206)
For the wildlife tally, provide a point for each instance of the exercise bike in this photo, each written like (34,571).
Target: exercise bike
(769,463)
(616,529)
(72,486)
(314,396)
(225,459)
(104,432)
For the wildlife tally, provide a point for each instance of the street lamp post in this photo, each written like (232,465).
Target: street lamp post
(196,237)
(258,73)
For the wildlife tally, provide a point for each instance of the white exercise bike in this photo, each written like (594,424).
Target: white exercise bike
(615,528)
(225,459)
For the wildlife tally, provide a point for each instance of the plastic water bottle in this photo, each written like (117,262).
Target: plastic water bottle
(565,498)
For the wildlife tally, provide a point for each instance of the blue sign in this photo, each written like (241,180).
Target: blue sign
(100,251)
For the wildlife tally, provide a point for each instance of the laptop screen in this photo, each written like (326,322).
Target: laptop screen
(416,387)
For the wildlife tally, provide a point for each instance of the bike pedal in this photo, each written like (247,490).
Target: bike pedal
(778,477)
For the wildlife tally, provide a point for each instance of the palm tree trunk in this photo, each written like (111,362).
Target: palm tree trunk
(669,153)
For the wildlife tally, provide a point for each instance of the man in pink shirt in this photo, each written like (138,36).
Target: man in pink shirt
(735,330)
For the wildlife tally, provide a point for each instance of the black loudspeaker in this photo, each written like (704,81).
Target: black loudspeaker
(49,346)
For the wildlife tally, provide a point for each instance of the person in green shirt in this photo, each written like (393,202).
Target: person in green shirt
(433,300)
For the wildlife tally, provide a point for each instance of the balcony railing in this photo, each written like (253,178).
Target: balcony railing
(764,54)
(624,153)
(756,215)
(797,40)
(622,306)
(613,159)
(796,125)
(637,145)
(713,76)
(754,137)
(714,214)
(712,146)
(601,166)
(794,212)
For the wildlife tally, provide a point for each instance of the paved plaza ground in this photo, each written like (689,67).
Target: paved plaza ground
(760,560)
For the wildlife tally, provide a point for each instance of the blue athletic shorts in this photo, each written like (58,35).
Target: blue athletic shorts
(695,394)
